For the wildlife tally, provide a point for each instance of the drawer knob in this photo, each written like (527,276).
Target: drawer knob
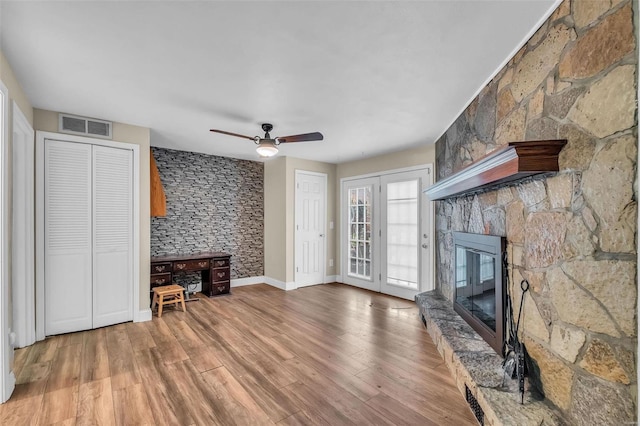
(181,265)
(160,268)
(221,274)
(160,281)
(221,289)
(202,264)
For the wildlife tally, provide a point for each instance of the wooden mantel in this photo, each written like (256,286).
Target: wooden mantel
(515,161)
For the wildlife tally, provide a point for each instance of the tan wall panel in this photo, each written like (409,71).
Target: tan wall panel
(396,160)
(15,90)
(275,178)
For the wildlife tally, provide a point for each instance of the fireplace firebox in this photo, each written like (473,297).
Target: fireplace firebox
(479,296)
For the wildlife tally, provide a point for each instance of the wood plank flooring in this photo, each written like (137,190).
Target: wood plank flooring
(329,355)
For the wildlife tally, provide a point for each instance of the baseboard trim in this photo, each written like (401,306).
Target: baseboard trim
(239,282)
(9,386)
(330,279)
(280,284)
(143,315)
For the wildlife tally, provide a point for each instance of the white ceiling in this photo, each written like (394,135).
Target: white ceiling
(373,77)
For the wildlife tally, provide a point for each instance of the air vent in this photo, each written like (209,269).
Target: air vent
(473,404)
(84,126)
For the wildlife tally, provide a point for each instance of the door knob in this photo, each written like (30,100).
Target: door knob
(425,246)
(321,235)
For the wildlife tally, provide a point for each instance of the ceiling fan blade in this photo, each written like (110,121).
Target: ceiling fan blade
(233,134)
(305,137)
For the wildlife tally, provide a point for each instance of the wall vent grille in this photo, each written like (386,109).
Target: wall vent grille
(77,125)
(475,407)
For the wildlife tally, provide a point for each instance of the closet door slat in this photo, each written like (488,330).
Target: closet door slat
(68,239)
(112,235)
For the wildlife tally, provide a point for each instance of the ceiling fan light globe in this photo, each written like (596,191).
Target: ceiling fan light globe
(266,149)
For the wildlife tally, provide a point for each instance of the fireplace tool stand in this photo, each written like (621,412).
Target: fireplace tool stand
(514,359)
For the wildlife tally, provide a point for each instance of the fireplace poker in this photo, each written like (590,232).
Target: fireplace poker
(524,286)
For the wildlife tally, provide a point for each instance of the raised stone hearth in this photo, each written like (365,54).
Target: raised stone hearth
(474,364)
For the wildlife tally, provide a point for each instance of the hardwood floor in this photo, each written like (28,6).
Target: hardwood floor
(329,354)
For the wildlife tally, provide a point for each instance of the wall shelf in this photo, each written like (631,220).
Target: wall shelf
(515,161)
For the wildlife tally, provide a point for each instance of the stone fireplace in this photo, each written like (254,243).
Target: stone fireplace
(573,234)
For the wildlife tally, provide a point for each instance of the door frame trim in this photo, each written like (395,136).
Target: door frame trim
(324,224)
(7,377)
(138,314)
(23,250)
(430,168)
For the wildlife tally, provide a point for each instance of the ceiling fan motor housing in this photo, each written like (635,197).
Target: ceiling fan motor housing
(267,128)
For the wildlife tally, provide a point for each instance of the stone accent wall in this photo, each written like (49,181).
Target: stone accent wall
(213,204)
(572,235)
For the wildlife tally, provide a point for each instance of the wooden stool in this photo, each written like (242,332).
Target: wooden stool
(167,295)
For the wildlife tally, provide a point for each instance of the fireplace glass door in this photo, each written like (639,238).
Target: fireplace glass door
(476,284)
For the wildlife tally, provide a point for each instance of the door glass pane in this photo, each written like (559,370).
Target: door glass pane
(402,233)
(360,232)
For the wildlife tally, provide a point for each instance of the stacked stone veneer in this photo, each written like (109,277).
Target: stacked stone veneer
(572,235)
(213,204)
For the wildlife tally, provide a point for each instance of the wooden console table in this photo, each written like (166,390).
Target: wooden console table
(214,267)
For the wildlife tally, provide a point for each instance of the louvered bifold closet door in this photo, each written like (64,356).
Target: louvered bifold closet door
(112,235)
(68,246)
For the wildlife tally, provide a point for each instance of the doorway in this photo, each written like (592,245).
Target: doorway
(310,235)
(87,237)
(386,233)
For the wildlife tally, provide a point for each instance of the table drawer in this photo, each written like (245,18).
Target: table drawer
(160,279)
(191,265)
(220,263)
(159,268)
(220,288)
(220,274)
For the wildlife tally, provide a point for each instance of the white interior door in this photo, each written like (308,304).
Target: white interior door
(360,219)
(310,202)
(112,235)
(386,233)
(67,237)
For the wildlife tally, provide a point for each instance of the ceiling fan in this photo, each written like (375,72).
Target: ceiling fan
(267,146)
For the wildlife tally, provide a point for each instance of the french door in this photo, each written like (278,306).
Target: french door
(386,234)
(362,231)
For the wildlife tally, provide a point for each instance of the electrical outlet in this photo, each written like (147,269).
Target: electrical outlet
(330,263)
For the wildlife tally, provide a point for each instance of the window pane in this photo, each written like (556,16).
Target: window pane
(402,232)
(360,231)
